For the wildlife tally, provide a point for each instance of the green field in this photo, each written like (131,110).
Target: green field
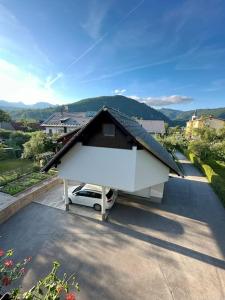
(12,164)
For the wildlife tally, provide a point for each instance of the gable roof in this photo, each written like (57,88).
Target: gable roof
(132,128)
(153,126)
(66,119)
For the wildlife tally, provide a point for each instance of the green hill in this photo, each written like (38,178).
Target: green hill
(180,117)
(126,105)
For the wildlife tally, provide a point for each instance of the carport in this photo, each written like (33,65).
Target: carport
(113,150)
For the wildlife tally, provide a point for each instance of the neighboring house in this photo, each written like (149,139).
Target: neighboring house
(63,122)
(113,150)
(153,126)
(7,126)
(201,122)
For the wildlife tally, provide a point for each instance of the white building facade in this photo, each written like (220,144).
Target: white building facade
(114,151)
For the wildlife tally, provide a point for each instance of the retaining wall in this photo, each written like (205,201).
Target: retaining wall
(25,198)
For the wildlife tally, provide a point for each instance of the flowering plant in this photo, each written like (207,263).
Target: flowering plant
(9,270)
(51,287)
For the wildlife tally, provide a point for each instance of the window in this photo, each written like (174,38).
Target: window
(88,194)
(50,131)
(109,194)
(96,195)
(78,188)
(84,193)
(108,129)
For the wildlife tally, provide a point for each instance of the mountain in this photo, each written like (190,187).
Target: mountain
(180,117)
(126,105)
(170,113)
(6,105)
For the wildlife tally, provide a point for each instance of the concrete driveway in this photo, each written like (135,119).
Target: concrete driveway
(174,250)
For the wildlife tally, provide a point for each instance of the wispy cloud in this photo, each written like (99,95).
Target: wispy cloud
(97,12)
(216,85)
(17,84)
(141,66)
(119,91)
(164,100)
(130,69)
(100,39)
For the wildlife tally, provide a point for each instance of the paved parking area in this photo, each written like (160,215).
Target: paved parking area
(54,198)
(174,250)
(5,200)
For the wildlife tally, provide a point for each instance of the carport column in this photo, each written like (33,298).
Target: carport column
(103,202)
(65,183)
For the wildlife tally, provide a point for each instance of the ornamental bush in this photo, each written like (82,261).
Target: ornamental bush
(51,287)
(9,269)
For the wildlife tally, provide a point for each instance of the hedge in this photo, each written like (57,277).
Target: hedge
(7,153)
(216,181)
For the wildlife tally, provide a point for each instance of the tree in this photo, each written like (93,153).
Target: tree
(17,139)
(38,144)
(206,134)
(4,116)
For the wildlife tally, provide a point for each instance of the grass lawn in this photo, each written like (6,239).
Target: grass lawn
(11,164)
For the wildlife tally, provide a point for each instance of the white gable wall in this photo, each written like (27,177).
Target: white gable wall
(101,166)
(149,170)
(128,170)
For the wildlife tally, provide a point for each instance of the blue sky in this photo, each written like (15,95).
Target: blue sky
(165,53)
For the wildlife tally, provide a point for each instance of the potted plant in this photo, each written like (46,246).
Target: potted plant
(51,287)
(10,271)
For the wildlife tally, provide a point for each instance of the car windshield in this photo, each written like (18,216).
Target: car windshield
(109,194)
(78,188)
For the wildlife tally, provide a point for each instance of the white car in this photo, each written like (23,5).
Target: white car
(91,195)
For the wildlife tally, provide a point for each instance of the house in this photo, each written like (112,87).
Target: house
(113,150)
(153,126)
(6,125)
(201,122)
(63,122)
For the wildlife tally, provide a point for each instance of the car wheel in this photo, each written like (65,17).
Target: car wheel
(70,201)
(97,207)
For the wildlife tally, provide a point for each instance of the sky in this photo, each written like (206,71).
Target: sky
(164,53)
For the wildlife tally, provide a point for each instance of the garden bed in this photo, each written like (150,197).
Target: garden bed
(25,182)
(13,169)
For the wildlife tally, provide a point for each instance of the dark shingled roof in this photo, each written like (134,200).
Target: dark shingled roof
(66,120)
(134,129)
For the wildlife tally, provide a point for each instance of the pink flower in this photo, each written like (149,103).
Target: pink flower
(1,252)
(23,271)
(8,263)
(70,296)
(27,259)
(6,281)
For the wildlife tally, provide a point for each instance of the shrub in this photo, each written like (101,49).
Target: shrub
(38,144)
(5,134)
(17,139)
(7,153)
(218,150)
(217,182)
(200,149)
